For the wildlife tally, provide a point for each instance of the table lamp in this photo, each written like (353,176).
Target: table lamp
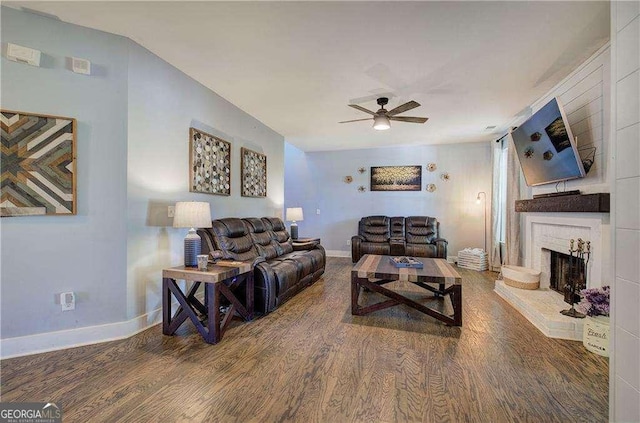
(294,214)
(191,214)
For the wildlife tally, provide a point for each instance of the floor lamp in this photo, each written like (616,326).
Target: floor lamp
(484,212)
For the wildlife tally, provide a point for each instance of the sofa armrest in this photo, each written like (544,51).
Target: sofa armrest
(257,261)
(355,248)
(441,246)
(304,246)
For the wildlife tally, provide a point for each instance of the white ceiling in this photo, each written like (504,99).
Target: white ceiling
(296,65)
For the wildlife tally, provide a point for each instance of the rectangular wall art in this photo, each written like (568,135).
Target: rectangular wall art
(210,161)
(254,173)
(396,178)
(38,164)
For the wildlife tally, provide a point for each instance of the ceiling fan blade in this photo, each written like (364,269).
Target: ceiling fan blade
(355,120)
(362,109)
(409,119)
(403,108)
(379,93)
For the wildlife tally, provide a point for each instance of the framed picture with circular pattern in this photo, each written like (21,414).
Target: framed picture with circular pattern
(253,175)
(210,163)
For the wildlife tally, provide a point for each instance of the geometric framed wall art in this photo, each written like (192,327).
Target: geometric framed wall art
(210,163)
(253,173)
(38,164)
(396,178)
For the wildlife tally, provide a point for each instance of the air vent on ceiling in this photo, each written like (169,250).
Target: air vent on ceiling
(82,66)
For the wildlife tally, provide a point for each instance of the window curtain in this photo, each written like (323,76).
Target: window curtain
(495,260)
(512,242)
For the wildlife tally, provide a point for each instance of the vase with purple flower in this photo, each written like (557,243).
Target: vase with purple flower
(595,304)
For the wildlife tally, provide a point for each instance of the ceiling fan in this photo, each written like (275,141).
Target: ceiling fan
(382,118)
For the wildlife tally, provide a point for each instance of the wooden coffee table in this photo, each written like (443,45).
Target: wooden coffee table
(217,281)
(435,271)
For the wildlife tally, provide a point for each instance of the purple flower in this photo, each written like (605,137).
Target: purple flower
(595,301)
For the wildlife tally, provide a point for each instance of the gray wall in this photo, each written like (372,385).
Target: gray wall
(45,255)
(315,181)
(163,104)
(134,114)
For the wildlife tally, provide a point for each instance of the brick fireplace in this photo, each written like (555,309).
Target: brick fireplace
(547,232)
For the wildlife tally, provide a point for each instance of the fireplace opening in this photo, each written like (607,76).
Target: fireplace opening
(563,269)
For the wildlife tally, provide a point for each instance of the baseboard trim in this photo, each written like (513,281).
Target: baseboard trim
(71,338)
(338,253)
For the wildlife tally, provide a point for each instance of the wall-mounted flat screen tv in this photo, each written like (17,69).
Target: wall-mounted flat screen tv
(546,148)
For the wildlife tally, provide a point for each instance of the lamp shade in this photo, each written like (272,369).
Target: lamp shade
(294,214)
(192,214)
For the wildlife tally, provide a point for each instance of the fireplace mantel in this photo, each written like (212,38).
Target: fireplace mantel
(585,203)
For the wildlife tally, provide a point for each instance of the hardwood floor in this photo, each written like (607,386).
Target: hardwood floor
(312,361)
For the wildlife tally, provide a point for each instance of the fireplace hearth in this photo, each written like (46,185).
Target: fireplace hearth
(547,232)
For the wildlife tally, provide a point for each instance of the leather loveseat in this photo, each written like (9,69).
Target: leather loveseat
(281,268)
(415,236)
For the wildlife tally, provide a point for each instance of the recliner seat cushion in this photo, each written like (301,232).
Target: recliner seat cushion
(421,250)
(316,255)
(375,248)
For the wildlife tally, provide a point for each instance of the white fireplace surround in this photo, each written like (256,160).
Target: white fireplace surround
(546,232)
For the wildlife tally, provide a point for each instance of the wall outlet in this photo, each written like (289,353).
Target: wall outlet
(349,242)
(171,211)
(68,301)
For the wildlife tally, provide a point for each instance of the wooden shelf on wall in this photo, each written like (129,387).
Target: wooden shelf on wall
(585,203)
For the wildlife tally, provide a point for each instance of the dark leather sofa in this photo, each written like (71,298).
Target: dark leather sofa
(415,236)
(281,268)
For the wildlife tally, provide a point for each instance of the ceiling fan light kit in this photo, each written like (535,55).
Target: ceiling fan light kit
(382,118)
(381,123)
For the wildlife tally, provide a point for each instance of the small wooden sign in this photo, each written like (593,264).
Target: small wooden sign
(596,335)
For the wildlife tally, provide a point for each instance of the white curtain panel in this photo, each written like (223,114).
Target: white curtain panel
(512,254)
(494,238)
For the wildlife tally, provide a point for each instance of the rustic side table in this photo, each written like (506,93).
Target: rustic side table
(217,280)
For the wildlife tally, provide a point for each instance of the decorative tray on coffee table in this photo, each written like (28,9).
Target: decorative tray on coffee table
(403,261)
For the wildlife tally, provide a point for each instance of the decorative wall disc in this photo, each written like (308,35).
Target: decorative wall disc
(431,167)
(362,188)
(348,179)
(362,170)
(431,187)
(445,176)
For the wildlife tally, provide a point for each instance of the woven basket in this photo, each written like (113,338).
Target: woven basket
(520,277)
(472,261)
